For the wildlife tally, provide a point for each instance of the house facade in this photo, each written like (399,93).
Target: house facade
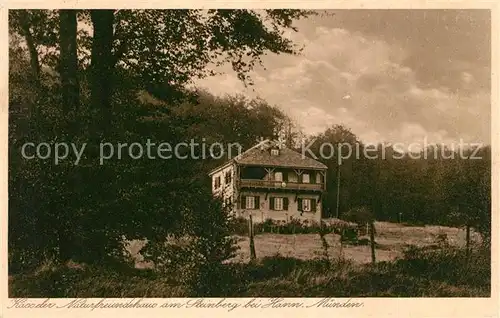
(271,182)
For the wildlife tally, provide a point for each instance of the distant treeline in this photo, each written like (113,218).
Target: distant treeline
(438,185)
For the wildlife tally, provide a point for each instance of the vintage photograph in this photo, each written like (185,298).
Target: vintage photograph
(185,153)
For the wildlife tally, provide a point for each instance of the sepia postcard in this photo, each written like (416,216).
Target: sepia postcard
(242,159)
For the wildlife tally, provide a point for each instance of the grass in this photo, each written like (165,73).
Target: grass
(391,238)
(419,273)
(89,282)
(292,266)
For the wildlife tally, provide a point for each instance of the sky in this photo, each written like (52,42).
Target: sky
(406,76)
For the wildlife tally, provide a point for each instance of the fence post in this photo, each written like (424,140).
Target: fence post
(341,249)
(252,244)
(372,240)
(467,240)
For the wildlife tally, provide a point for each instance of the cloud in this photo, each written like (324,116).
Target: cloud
(346,77)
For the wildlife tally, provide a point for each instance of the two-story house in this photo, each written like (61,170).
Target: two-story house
(271,182)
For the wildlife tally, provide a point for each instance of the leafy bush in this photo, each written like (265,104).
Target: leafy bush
(196,256)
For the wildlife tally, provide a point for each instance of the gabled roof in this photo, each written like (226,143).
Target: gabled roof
(260,155)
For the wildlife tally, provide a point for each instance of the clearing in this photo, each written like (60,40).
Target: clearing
(391,239)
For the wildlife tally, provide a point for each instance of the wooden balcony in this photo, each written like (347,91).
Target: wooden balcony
(277,185)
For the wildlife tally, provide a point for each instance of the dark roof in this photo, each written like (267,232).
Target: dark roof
(260,155)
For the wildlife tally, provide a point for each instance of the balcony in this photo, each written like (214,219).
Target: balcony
(271,184)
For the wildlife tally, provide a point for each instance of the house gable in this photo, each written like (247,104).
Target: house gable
(270,155)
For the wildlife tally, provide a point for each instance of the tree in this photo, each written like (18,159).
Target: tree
(469,192)
(83,212)
(38,28)
(102,59)
(162,49)
(168,48)
(69,60)
(338,145)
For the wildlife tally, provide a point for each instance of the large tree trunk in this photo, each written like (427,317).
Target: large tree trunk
(102,59)
(30,42)
(69,60)
(34,59)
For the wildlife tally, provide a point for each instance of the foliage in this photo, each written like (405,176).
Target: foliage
(447,264)
(359,215)
(419,273)
(181,43)
(436,186)
(240,226)
(43,195)
(164,50)
(196,254)
(84,212)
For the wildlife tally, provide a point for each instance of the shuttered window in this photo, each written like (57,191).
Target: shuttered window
(306,205)
(217,182)
(278,204)
(228,177)
(250,202)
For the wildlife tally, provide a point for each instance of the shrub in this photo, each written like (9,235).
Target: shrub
(359,215)
(197,254)
(239,226)
(450,265)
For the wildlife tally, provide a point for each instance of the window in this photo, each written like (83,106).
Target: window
(278,204)
(305,178)
(217,182)
(278,176)
(318,177)
(228,177)
(250,202)
(275,152)
(306,205)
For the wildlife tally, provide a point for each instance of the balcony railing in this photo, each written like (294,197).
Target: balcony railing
(272,184)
